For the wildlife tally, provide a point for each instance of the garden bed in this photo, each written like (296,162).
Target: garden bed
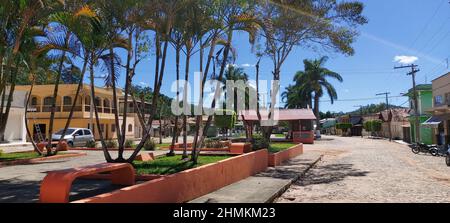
(280,152)
(21,158)
(188,184)
(173,164)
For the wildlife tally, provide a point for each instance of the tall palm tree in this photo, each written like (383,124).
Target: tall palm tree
(314,79)
(237,74)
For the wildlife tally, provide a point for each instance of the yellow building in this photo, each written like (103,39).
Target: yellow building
(40,107)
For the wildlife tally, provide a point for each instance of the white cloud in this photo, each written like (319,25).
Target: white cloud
(247,65)
(405,59)
(143,84)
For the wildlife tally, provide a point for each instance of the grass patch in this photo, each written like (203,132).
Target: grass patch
(278,147)
(163,145)
(5,157)
(173,164)
(280,135)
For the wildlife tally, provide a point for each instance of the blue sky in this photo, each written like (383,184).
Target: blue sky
(419,28)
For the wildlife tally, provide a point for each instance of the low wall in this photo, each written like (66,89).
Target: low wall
(189,184)
(275,159)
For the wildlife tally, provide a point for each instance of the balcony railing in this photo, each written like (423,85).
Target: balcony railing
(67,108)
(48,108)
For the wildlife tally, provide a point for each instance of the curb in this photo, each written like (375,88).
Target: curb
(34,160)
(296,178)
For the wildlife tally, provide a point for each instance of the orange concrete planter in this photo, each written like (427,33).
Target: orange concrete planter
(275,159)
(34,160)
(240,148)
(189,184)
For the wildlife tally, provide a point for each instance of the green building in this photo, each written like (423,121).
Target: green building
(425,103)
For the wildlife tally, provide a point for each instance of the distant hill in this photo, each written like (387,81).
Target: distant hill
(368,109)
(373,108)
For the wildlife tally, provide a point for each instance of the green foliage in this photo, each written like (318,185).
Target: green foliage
(373,126)
(129,143)
(259,142)
(368,126)
(344,126)
(149,145)
(91,144)
(172,164)
(376,125)
(225,119)
(1,152)
(278,147)
(111,144)
(372,109)
(18,156)
(214,143)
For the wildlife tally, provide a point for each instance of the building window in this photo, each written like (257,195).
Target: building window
(48,101)
(34,101)
(113,128)
(67,100)
(438,100)
(130,128)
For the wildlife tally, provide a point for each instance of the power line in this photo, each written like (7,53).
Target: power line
(363,99)
(427,24)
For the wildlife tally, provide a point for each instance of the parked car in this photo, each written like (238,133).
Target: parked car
(75,136)
(447,157)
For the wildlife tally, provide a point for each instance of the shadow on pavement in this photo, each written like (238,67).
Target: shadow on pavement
(330,173)
(21,191)
(289,170)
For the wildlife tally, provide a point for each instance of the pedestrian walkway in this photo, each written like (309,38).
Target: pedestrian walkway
(263,187)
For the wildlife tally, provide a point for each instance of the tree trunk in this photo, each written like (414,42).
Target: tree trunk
(175,132)
(226,52)
(114,102)
(80,84)
(35,147)
(316,112)
(158,81)
(185,103)
(97,119)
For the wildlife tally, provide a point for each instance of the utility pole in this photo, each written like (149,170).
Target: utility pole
(361,113)
(387,109)
(415,98)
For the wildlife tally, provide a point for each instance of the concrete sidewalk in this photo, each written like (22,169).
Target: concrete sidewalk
(266,186)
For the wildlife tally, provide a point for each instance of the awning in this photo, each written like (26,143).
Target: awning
(433,122)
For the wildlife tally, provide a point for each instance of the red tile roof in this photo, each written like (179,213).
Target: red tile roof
(279,115)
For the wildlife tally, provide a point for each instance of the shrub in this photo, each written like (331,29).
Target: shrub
(260,142)
(344,126)
(225,119)
(368,126)
(149,145)
(91,144)
(1,152)
(111,144)
(215,144)
(376,125)
(129,143)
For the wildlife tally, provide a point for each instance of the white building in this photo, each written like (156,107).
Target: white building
(15,131)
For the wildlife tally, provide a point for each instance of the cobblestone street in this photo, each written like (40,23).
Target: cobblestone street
(366,170)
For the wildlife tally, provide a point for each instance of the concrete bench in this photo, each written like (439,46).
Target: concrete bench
(55,188)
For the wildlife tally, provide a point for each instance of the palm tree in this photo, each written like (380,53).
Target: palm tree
(237,74)
(314,79)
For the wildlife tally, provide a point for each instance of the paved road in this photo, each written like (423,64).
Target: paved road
(365,170)
(21,183)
